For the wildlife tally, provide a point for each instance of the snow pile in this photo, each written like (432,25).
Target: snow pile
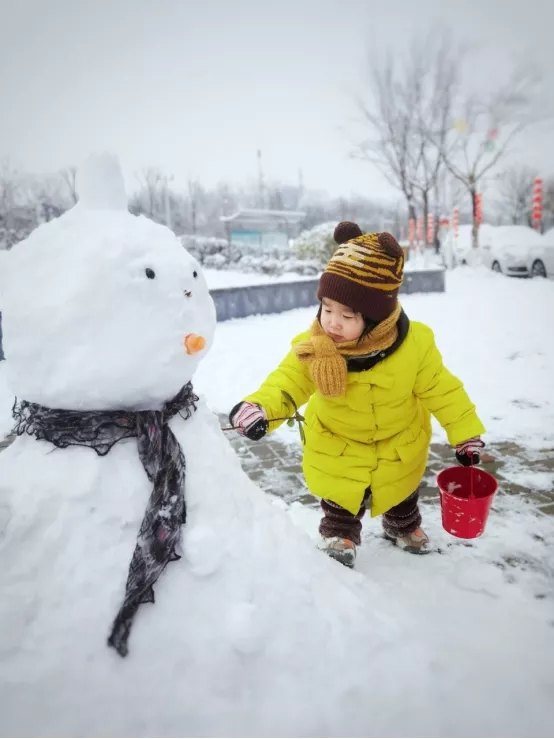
(6,402)
(252,616)
(423,259)
(484,606)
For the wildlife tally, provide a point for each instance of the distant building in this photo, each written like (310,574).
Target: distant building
(263,228)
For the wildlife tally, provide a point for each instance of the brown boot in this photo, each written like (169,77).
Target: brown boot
(343,550)
(415,543)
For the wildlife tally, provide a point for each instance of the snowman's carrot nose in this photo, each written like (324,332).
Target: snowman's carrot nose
(194,343)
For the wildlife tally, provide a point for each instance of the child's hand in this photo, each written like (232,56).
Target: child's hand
(249,420)
(469,452)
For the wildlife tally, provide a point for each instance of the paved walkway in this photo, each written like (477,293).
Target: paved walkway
(276,467)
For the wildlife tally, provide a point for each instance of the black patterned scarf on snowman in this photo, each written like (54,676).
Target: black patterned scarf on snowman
(164,463)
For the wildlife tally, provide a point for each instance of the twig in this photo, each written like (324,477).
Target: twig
(269,420)
(296,417)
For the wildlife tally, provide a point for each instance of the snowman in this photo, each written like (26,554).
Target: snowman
(147,587)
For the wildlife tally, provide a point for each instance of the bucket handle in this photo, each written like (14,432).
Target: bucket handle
(471,477)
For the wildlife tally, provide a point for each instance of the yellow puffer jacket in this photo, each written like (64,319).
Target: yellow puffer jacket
(377,434)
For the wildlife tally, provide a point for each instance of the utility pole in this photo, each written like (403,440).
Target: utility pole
(261,186)
(300,186)
(167,202)
(192,201)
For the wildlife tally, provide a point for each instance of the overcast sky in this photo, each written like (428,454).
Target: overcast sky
(197,86)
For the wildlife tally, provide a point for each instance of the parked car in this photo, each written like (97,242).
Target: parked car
(513,250)
(542,256)
(462,247)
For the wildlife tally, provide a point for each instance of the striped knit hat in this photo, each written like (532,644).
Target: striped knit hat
(365,272)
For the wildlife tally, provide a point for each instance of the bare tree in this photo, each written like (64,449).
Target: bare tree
(69,176)
(391,121)
(25,201)
(46,192)
(434,75)
(193,203)
(151,180)
(485,128)
(515,189)
(412,95)
(8,187)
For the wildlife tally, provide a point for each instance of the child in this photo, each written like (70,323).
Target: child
(372,379)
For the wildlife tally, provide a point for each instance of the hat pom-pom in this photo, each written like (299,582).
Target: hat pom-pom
(390,245)
(345,231)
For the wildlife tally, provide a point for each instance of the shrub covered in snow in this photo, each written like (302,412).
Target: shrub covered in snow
(205,248)
(214,253)
(273,266)
(216,261)
(301,266)
(316,245)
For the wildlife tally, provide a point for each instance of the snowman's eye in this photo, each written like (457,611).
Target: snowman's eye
(195,273)
(149,273)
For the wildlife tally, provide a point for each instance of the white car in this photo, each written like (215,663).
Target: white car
(513,251)
(541,257)
(461,249)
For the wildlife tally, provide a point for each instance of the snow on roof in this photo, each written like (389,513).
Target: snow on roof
(259,214)
(517,236)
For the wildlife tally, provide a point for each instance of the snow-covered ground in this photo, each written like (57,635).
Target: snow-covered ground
(486,606)
(219,278)
(482,611)
(423,260)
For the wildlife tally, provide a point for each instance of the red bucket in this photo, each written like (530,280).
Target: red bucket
(466,496)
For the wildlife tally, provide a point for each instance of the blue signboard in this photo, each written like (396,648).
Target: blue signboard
(256,239)
(246,236)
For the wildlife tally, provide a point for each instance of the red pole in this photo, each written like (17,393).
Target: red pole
(478,208)
(536,213)
(430,228)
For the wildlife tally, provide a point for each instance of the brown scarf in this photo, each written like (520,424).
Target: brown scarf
(327,360)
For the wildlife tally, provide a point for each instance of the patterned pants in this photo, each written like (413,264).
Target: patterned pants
(401,520)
